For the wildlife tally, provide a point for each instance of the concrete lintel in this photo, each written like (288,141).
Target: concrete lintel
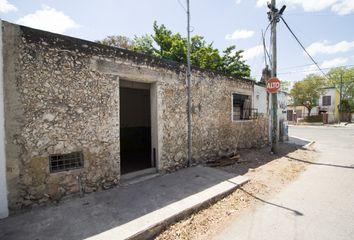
(132,72)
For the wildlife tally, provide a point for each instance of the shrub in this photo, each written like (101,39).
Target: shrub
(315,118)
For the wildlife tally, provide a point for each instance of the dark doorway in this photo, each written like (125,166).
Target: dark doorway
(135,129)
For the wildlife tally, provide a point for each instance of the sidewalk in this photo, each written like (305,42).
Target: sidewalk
(135,211)
(342,125)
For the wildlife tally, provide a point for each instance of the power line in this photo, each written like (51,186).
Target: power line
(266,53)
(302,46)
(298,66)
(307,70)
(315,15)
(182,6)
(313,70)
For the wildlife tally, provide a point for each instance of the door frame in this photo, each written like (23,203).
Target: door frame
(154,115)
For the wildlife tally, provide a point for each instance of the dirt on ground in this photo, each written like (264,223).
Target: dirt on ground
(269,173)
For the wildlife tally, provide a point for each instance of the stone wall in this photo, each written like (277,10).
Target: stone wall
(55,104)
(62,96)
(214,133)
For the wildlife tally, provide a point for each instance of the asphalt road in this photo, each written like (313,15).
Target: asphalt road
(318,205)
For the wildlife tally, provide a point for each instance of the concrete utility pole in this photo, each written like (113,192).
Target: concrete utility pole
(189,86)
(340,96)
(274,17)
(275,128)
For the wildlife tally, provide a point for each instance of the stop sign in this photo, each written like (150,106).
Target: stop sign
(273,85)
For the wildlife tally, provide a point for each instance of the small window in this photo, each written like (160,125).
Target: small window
(299,113)
(241,107)
(65,162)
(326,101)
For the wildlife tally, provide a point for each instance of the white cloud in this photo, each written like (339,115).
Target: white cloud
(340,7)
(334,62)
(261,3)
(237,1)
(252,52)
(326,48)
(307,5)
(49,19)
(313,5)
(343,7)
(6,7)
(239,34)
(311,69)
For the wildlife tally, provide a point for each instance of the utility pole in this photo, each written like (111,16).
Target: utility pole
(274,17)
(189,86)
(275,127)
(340,95)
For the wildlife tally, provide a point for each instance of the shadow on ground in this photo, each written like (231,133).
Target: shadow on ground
(295,212)
(254,158)
(98,212)
(95,213)
(321,164)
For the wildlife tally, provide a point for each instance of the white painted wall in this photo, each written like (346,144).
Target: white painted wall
(282,115)
(260,99)
(282,106)
(331,108)
(4,212)
(260,102)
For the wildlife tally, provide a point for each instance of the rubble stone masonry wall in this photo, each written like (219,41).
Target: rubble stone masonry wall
(62,96)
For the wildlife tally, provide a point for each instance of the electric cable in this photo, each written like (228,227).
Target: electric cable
(302,46)
(266,53)
(182,6)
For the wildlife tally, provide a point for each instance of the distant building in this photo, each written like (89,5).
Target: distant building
(329,103)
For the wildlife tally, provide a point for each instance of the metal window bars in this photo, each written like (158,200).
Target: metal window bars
(245,114)
(65,162)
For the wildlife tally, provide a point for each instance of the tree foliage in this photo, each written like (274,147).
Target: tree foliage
(117,41)
(343,78)
(165,44)
(308,91)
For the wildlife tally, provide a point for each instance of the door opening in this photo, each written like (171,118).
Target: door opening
(135,129)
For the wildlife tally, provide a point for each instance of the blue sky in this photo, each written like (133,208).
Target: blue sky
(325,27)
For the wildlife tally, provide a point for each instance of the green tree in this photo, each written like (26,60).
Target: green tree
(144,44)
(118,41)
(343,78)
(308,91)
(232,63)
(172,46)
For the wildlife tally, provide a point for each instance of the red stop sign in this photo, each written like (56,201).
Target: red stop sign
(273,85)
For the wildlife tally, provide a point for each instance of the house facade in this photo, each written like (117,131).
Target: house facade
(329,103)
(77,116)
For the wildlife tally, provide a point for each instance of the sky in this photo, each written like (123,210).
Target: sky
(325,27)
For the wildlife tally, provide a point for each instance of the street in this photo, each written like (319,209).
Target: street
(318,205)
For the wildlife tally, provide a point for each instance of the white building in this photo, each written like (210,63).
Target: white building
(329,103)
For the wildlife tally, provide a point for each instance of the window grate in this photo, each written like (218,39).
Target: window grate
(65,162)
(326,100)
(241,108)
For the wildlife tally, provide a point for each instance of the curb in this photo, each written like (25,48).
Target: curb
(311,142)
(151,224)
